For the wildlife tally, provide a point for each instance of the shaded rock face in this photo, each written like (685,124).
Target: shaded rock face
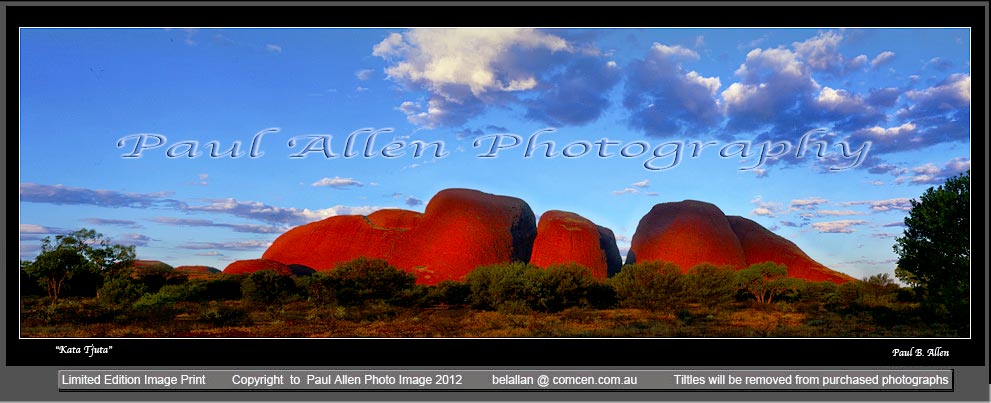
(564,237)
(459,230)
(141,268)
(197,269)
(686,233)
(761,245)
(251,266)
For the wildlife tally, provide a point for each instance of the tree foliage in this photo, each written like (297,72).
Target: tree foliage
(766,280)
(934,250)
(649,285)
(78,253)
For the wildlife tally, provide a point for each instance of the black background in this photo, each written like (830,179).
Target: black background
(506,352)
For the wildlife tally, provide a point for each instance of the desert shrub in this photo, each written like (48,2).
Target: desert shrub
(710,286)
(514,308)
(267,287)
(649,285)
(224,315)
(572,285)
(318,288)
(877,290)
(493,285)
(451,293)
(222,287)
(416,296)
(120,289)
(847,294)
(363,280)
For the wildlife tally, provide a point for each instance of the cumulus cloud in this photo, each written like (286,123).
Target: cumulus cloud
(822,52)
(666,99)
(838,227)
(930,174)
(337,182)
(642,184)
(273,48)
(949,95)
(413,202)
(883,97)
(466,69)
(249,228)
(773,84)
(882,58)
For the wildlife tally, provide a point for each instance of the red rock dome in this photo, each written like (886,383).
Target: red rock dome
(686,233)
(251,266)
(761,245)
(460,230)
(564,237)
(197,269)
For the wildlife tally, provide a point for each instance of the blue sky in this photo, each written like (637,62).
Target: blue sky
(905,91)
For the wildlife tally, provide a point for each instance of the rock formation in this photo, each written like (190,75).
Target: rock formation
(459,230)
(686,233)
(564,237)
(761,245)
(251,266)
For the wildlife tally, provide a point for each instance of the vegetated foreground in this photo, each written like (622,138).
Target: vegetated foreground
(370,298)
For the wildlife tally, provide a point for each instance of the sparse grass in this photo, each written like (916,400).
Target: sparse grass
(86,317)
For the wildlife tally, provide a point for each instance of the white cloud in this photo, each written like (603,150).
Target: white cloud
(626,191)
(882,58)
(765,208)
(273,48)
(807,203)
(838,212)
(838,227)
(642,184)
(36,229)
(364,74)
(337,182)
(470,57)
(822,51)
(898,204)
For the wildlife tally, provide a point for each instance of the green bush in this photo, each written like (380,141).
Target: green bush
(451,293)
(318,288)
(361,281)
(649,285)
(267,287)
(710,286)
(120,289)
(572,285)
(493,285)
(223,287)
(877,290)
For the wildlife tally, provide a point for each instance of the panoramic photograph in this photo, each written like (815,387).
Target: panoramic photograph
(494,183)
